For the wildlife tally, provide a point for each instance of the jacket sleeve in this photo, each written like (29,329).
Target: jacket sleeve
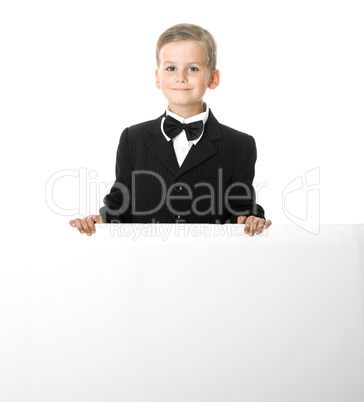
(242,195)
(117,208)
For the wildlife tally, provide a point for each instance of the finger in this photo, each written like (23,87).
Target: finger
(72,223)
(241,219)
(253,226)
(267,224)
(248,223)
(260,226)
(85,226)
(79,225)
(91,223)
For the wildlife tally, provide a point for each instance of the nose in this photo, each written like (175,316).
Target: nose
(180,76)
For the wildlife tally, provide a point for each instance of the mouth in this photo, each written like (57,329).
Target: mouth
(181,89)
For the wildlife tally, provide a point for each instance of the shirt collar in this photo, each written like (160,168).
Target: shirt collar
(201,116)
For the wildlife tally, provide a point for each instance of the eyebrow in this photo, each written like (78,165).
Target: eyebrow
(189,62)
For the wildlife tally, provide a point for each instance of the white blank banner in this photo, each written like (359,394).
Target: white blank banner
(194,317)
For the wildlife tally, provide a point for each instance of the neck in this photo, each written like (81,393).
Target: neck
(188,110)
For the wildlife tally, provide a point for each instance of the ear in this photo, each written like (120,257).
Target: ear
(215,79)
(158,84)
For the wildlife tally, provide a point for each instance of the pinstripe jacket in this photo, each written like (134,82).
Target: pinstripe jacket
(213,184)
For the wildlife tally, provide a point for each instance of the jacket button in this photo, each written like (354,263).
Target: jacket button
(178,189)
(176,216)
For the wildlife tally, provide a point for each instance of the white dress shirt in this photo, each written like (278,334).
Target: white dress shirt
(180,143)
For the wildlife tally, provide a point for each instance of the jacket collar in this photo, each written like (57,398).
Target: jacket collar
(198,154)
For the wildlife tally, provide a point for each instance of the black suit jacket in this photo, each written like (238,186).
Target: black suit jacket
(213,185)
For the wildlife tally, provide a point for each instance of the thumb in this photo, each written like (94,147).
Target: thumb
(97,218)
(241,219)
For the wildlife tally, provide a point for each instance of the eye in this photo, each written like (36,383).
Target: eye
(195,68)
(168,68)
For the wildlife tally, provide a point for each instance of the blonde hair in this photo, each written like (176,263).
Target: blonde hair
(190,32)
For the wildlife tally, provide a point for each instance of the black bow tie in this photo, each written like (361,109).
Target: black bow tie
(173,127)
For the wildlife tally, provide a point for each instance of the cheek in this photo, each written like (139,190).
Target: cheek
(165,79)
(202,83)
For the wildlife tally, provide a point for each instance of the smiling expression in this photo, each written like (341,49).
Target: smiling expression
(183,76)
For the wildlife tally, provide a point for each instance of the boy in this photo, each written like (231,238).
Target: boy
(184,166)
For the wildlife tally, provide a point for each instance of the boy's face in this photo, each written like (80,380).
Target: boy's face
(183,76)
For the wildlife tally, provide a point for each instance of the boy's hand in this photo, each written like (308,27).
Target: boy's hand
(86,225)
(253,224)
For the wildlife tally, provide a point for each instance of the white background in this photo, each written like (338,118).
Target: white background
(74,74)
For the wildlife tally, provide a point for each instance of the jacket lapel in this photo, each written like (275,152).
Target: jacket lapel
(162,148)
(198,154)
